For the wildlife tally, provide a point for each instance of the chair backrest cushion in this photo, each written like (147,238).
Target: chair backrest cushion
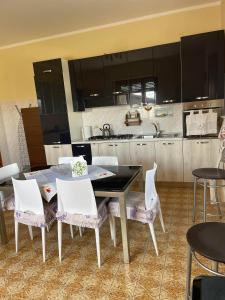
(27,196)
(9,171)
(105,160)
(76,197)
(65,160)
(151,195)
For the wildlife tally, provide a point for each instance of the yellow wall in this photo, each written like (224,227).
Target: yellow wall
(223,13)
(16,73)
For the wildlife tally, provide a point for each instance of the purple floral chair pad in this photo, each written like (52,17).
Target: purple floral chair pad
(29,218)
(136,210)
(85,220)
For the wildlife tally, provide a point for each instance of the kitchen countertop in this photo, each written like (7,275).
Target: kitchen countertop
(130,140)
(142,140)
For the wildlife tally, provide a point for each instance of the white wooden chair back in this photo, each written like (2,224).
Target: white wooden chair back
(76,197)
(65,160)
(9,171)
(105,160)
(27,196)
(151,195)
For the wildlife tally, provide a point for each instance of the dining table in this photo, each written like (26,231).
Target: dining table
(110,181)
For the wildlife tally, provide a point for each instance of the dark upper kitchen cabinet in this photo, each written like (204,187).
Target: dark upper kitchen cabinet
(116,89)
(49,83)
(92,76)
(53,93)
(76,85)
(203,66)
(167,73)
(141,76)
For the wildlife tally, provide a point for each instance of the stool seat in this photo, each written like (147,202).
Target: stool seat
(208,239)
(209,173)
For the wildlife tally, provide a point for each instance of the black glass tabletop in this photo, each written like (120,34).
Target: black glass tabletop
(124,175)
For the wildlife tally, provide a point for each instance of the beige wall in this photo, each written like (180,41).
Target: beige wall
(16,73)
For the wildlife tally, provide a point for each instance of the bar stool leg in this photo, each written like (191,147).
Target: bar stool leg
(218,205)
(205,199)
(188,278)
(194,204)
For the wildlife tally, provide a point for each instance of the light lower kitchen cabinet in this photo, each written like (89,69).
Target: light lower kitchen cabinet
(94,149)
(199,154)
(169,159)
(53,152)
(142,153)
(121,150)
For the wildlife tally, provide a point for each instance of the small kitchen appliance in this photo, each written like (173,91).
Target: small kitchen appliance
(106,130)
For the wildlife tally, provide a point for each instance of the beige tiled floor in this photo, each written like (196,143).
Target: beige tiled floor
(24,276)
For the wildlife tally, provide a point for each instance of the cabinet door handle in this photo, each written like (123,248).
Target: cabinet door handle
(110,145)
(170,144)
(56,147)
(57,142)
(204,142)
(82,146)
(141,144)
(116,145)
(47,71)
(168,101)
(165,144)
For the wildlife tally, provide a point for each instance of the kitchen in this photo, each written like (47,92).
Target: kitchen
(105,88)
(153,99)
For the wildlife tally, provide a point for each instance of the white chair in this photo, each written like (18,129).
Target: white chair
(77,206)
(6,192)
(142,207)
(65,160)
(29,209)
(105,160)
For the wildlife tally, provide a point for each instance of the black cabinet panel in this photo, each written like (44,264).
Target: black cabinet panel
(76,85)
(203,66)
(50,93)
(93,82)
(50,87)
(84,150)
(140,63)
(167,71)
(47,66)
(55,129)
(141,76)
(116,78)
(49,83)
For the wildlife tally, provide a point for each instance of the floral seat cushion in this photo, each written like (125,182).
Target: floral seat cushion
(135,204)
(29,218)
(85,220)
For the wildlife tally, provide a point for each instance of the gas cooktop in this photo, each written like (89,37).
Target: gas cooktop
(112,137)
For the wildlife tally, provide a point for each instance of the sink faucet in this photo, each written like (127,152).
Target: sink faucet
(157,131)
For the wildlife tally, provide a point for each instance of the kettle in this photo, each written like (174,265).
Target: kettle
(106,131)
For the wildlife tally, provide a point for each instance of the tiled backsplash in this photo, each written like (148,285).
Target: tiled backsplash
(169,122)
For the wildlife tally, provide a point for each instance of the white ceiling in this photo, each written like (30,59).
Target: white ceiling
(24,20)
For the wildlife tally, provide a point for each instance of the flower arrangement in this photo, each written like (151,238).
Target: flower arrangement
(79,167)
